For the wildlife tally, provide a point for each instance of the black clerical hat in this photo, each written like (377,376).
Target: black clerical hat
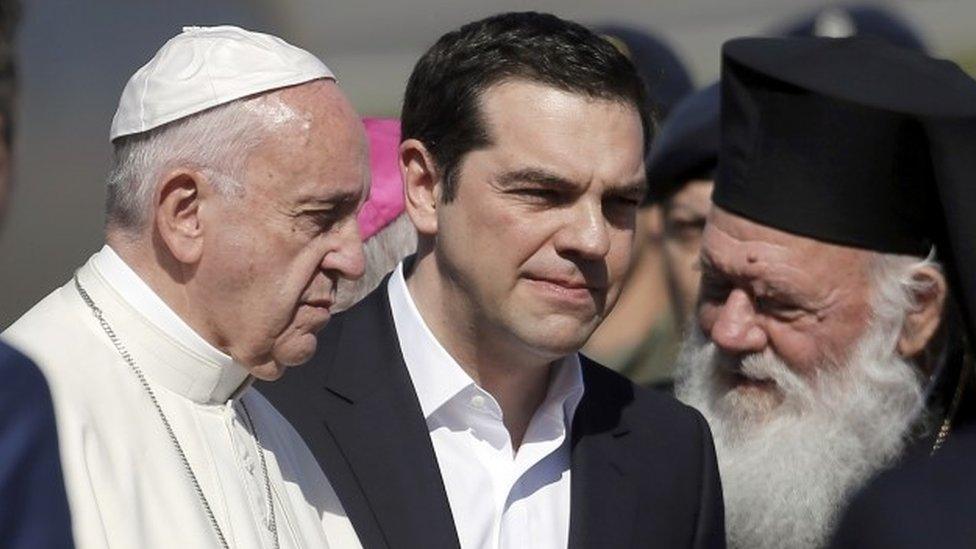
(855,142)
(686,147)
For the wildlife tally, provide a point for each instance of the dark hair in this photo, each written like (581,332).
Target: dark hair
(441,104)
(9,18)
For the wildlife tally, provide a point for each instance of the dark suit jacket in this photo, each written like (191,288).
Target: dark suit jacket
(33,506)
(643,465)
(924,502)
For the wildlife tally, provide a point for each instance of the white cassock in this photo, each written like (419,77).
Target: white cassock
(127,487)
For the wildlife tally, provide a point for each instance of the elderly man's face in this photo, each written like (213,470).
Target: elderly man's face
(765,290)
(277,251)
(540,231)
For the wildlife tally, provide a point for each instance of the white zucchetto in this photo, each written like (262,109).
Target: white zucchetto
(204,67)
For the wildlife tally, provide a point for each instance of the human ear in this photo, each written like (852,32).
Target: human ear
(421,186)
(177,216)
(923,321)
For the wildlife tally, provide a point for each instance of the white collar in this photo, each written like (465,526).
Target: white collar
(203,373)
(438,378)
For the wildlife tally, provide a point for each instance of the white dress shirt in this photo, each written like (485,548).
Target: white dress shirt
(500,498)
(126,485)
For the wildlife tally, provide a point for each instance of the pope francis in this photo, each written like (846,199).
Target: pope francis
(238,170)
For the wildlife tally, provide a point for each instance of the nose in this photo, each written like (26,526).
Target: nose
(586,234)
(735,328)
(346,258)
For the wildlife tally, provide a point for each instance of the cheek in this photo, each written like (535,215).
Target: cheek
(801,350)
(825,345)
(619,257)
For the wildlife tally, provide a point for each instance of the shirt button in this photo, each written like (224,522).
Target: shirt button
(478,402)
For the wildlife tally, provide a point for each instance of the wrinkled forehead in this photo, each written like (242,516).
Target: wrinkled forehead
(318,138)
(743,248)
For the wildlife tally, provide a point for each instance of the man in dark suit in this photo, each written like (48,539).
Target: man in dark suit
(450,407)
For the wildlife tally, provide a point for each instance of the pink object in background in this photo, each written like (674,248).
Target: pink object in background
(385,202)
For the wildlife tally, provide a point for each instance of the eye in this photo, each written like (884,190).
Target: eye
(541,194)
(714,287)
(625,201)
(776,307)
(321,221)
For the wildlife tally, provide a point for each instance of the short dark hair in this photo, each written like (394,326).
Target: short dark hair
(441,104)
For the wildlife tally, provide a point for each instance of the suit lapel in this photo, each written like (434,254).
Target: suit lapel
(372,413)
(603,492)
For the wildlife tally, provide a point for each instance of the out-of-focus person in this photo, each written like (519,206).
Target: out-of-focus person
(451,406)
(231,214)
(665,76)
(637,338)
(817,332)
(844,20)
(33,505)
(387,233)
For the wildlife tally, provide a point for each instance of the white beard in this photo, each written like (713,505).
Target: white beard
(788,466)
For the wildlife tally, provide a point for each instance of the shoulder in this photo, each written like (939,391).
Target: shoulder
(921,502)
(49,312)
(643,409)
(56,334)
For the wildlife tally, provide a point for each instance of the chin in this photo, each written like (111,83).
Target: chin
(556,340)
(296,350)
(268,372)
(750,403)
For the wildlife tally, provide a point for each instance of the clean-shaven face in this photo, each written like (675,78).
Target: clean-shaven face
(540,231)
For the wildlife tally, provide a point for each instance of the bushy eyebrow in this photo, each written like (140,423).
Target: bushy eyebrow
(773,286)
(338,199)
(545,178)
(534,175)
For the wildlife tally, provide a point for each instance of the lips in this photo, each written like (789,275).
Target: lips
(320,303)
(741,379)
(567,283)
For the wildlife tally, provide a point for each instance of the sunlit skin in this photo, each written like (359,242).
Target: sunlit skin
(685,213)
(767,290)
(527,259)
(255,274)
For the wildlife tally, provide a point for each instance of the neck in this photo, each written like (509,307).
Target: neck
(517,378)
(166,277)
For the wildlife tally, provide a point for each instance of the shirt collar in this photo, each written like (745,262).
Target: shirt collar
(205,374)
(438,378)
